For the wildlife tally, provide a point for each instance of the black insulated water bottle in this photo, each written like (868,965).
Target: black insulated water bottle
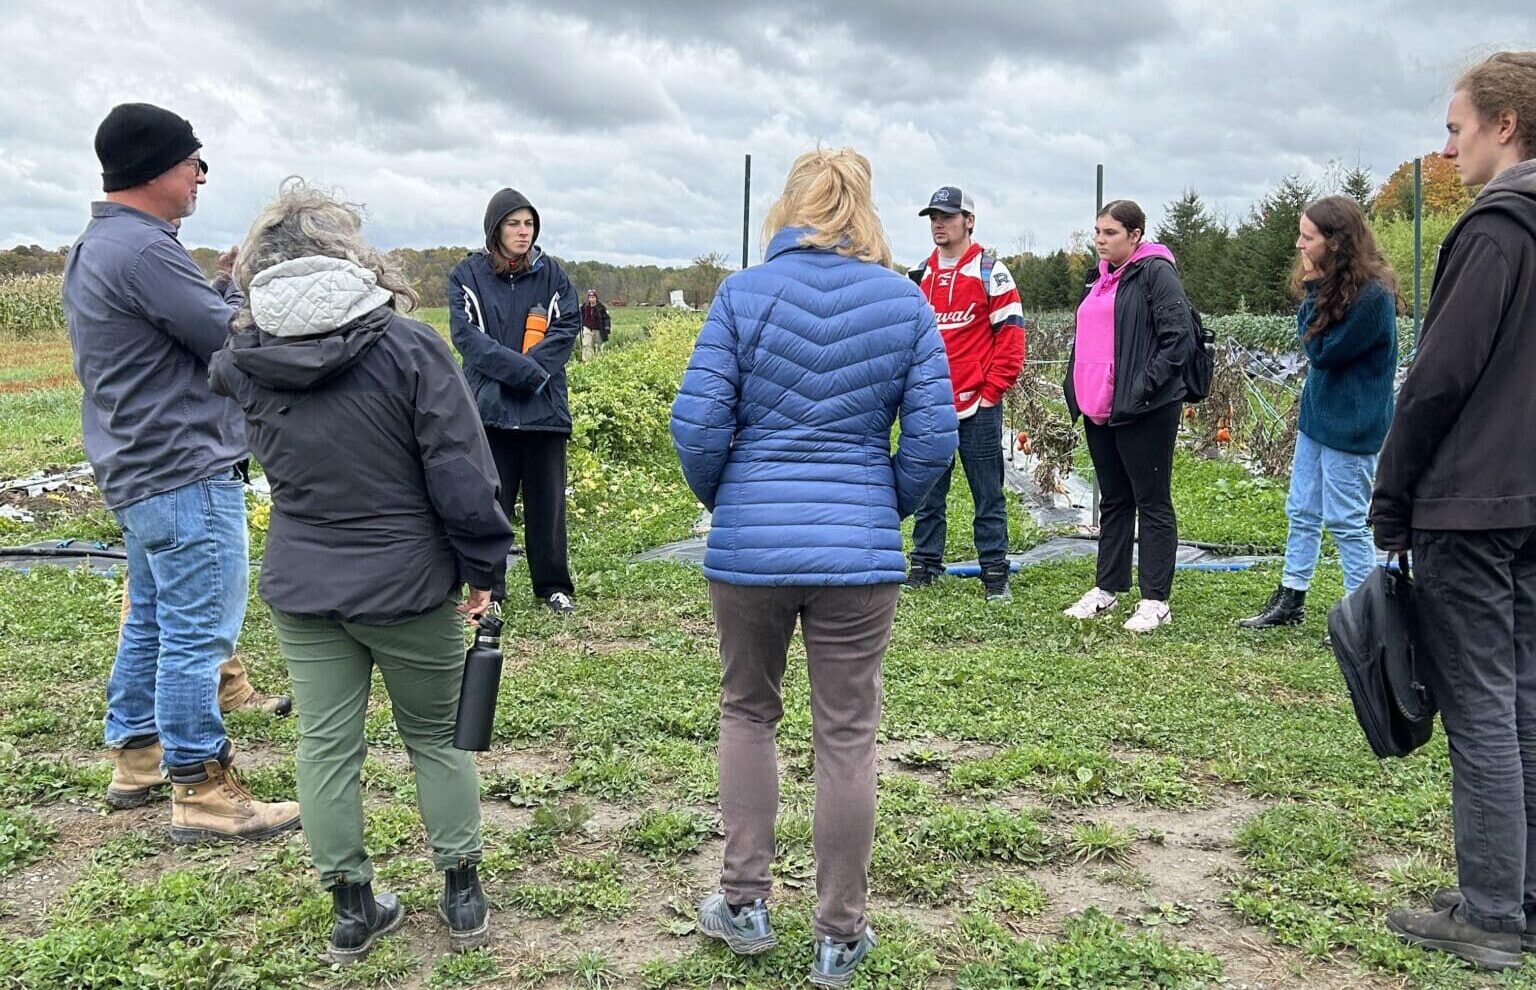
(482,680)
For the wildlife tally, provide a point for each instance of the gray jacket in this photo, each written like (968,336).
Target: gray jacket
(383,487)
(143,323)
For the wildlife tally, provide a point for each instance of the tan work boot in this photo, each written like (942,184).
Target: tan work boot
(135,775)
(237,691)
(210,804)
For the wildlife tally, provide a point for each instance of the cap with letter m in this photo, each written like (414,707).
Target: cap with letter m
(949,199)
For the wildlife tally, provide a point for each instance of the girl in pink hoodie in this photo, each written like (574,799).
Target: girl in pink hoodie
(1135,332)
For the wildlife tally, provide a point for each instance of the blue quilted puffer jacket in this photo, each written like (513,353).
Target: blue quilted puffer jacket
(783,423)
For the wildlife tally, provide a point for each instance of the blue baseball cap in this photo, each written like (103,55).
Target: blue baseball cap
(949,199)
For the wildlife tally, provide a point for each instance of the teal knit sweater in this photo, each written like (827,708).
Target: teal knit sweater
(1346,403)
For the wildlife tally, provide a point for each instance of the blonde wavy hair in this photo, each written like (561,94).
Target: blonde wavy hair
(829,192)
(304,221)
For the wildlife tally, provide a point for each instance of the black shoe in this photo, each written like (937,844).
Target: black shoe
(921,575)
(560,603)
(1286,607)
(1446,931)
(995,581)
(462,907)
(361,919)
(1450,897)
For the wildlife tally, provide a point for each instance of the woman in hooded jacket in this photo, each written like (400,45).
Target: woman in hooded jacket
(1135,332)
(383,509)
(514,319)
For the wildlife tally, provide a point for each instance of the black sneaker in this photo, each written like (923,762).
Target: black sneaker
(995,581)
(1447,898)
(921,575)
(560,603)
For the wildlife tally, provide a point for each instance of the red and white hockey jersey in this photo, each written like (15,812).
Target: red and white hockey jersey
(982,323)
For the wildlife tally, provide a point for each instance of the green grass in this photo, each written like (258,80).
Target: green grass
(1020,742)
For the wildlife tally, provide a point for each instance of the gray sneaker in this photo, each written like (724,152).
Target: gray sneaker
(747,932)
(1445,931)
(1450,897)
(833,963)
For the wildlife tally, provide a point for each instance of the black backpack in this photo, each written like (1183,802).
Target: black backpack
(1376,641)
(1201,365)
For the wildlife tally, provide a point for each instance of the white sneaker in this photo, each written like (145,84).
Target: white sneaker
(1148,616)
(1095,603)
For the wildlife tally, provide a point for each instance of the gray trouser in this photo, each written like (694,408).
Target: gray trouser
(1475,594)
(846,632)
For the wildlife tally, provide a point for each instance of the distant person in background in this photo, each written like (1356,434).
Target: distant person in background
(595,324)
(383,511)
(783,424)
(514,320)
(982,323)
(1347,326)
(1457,485)
(1135,331)
(170,461)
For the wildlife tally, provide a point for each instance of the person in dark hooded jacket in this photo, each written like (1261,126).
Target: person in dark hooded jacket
(1456,484)
(514,319)
(383,507)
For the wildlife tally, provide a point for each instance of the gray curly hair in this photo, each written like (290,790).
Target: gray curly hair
(304,221)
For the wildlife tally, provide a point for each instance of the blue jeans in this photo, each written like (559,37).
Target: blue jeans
(1328,488)
(981,454)
(188,575)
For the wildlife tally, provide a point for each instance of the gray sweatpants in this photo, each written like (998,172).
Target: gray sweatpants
(846,632)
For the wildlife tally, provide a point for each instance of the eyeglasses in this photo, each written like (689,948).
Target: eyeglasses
(196,162)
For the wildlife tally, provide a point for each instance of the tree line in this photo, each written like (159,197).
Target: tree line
(1226,268)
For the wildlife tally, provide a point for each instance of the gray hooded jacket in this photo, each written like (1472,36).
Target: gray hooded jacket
(383,487)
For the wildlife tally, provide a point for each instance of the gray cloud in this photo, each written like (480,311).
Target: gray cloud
(627,122)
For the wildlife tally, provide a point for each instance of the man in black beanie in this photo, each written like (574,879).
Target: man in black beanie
(169,458)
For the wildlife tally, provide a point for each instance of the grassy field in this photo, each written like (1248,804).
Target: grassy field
(1062,805)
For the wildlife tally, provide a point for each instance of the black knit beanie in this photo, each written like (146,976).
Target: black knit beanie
(139,141)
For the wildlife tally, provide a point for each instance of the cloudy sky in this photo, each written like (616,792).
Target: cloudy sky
(626,122)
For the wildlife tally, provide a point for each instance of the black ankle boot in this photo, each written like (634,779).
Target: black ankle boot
(464,909)
(1286,607)
(360,919)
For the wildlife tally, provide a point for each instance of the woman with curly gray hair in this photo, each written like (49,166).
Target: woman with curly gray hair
(383,509)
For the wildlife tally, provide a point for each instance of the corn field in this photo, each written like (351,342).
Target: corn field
(32,307)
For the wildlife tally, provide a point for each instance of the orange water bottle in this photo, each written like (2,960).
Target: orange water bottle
(535,327)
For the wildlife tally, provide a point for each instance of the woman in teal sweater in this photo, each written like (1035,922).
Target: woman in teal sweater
(1347,323)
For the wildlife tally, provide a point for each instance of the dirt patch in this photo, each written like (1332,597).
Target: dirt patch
(37,384)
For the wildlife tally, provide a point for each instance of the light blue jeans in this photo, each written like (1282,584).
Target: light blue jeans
(188,574)
(1328,488)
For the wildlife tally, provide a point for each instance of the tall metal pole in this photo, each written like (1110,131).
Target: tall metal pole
(1098,204)
(746,211)
(1418,246)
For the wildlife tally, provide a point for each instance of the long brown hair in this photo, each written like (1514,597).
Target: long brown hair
(1353,262)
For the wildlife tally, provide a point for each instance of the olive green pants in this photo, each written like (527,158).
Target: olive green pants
(422,662)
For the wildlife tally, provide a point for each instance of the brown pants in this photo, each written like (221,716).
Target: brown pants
(846,632)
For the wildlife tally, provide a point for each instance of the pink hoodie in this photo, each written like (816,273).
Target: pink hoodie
(1093,367)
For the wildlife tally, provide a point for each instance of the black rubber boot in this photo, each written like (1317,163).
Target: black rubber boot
(361,918)
(463,908)
(1286,607)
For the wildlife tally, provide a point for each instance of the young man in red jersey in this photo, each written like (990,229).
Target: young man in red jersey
(982,323)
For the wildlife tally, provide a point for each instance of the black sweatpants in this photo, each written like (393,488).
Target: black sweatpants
(1134,465)
(533,462)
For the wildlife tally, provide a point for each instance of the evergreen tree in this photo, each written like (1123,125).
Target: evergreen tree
(1199,244)
(1359,185)
(1264,247)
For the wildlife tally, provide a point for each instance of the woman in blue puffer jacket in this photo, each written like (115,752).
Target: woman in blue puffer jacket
(783,425)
